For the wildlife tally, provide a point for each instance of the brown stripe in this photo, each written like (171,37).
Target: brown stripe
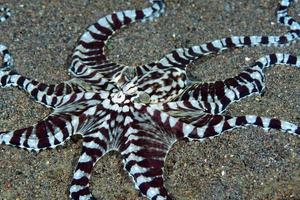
(103,29)
(117,23)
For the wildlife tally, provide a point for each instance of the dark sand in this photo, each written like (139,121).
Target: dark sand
(243,164)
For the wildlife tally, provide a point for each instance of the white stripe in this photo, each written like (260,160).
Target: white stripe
(187,129)
(163,117)
(84,158)
(172,121)
(142,179)
(137,169)
(127,120)
(86,37)
(103,22)
(6,137)
(132,147)
(131,14)
(152,192)
(78,174)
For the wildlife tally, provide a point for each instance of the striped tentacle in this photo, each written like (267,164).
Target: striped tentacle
(213,125)
(48,133)
(7,57)
(5,14)
(190,112)
(209,125)
(196,113)
(144,146)
(89,61)
(99,138)
(181,57)
(48,95)
(92,151)
(284,18)
(80,102)
(250,81)
(100,119)
(95,145)
(218,124)
(176,128)
(75,115)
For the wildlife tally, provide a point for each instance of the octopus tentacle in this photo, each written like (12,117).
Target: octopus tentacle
(177,128)
(97,140)
(144,151)
(212,125)
(74,115)
(89,58)
(148,139)
(190,112)
(7,58)
(47,95)
(48,133)
(218,124)
(284,18)
(6,14)
(209,125)
(250,81)
(181,57)
(93,148)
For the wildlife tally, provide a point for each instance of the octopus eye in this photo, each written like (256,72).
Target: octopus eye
(143,98)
